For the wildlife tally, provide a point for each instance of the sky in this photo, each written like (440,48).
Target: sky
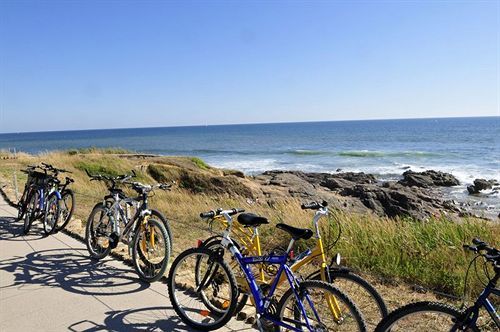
(67,65)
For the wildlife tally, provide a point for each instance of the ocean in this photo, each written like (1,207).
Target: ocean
(469,148)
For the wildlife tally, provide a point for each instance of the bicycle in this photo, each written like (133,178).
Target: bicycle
(146,237)
(214,292)
(435,316)
(361,291)
(33,177)
(43,201)
(67,196)
(67,200)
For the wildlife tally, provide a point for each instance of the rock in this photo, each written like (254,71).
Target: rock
(481,184)
(428,179)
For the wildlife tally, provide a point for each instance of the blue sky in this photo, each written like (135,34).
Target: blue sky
(111,64)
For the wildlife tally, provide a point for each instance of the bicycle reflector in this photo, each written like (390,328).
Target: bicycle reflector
(199,243)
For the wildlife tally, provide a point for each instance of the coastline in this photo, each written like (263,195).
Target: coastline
(371,239)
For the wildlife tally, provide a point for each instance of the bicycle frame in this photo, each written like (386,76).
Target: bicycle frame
(119,214)
(472,313)
(251,241)
(284,272)
(262,302)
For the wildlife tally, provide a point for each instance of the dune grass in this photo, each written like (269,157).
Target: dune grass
(426,253)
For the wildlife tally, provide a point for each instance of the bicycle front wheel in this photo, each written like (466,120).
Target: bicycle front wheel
(422,316)
(67,208)
(323,306)
(189,295)
(51,215)
(151,250)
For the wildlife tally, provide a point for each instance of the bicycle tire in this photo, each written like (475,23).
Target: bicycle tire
(357,317)
(52,202)
(138,255)
(21,205)
(390,322)
(29,215)
(341,276)
(100,207)
(226,317)
(164,220)
(70,193)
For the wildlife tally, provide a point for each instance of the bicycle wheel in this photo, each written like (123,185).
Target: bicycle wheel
(422,316)
(151,250)
(98,232)
(158,215)
(360,291)
(51,214)
(217,285)
(214,244)
(30,213)
(316,298)
(67,205)
(21,205)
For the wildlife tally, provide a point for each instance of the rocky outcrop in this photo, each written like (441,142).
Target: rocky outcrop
(481,184)
(362,193)
(428,179)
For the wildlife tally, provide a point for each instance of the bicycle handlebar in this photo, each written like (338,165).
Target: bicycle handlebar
(120,178)
(314,205)
(218,212)
(140,188)
(483,249)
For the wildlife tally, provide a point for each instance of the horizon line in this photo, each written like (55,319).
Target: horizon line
(250,123)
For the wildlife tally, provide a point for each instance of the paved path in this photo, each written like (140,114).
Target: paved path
(50,284)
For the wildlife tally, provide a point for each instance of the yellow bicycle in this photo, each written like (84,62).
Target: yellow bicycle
(246,237)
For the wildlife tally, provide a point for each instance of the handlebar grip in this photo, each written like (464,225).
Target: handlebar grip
(310,205)
(209,214)
(314,205)
(236,211)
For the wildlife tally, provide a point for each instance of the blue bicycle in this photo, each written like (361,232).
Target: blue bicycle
(204,291)
(434,316)
(43,203)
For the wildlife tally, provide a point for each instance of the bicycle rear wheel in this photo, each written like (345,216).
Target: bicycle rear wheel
(151,250)
(31,210)
(98,232)
(317,298)
(214,245)
(360,291)
(422,316)
(51,214)
(67,208)
(158,215)
(189,296)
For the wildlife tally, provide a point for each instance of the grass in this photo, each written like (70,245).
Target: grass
(95,150)
(200,163)
(426,253)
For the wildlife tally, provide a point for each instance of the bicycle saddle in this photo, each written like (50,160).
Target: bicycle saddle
(250,219)
(295,232)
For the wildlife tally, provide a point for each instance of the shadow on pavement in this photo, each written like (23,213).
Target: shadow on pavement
(71,271)
(12,230)
(144,319)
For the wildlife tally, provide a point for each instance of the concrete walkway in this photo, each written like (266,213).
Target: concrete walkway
(50,284)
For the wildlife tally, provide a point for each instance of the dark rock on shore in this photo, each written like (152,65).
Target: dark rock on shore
(428,179)
(362,193)
(481,184)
